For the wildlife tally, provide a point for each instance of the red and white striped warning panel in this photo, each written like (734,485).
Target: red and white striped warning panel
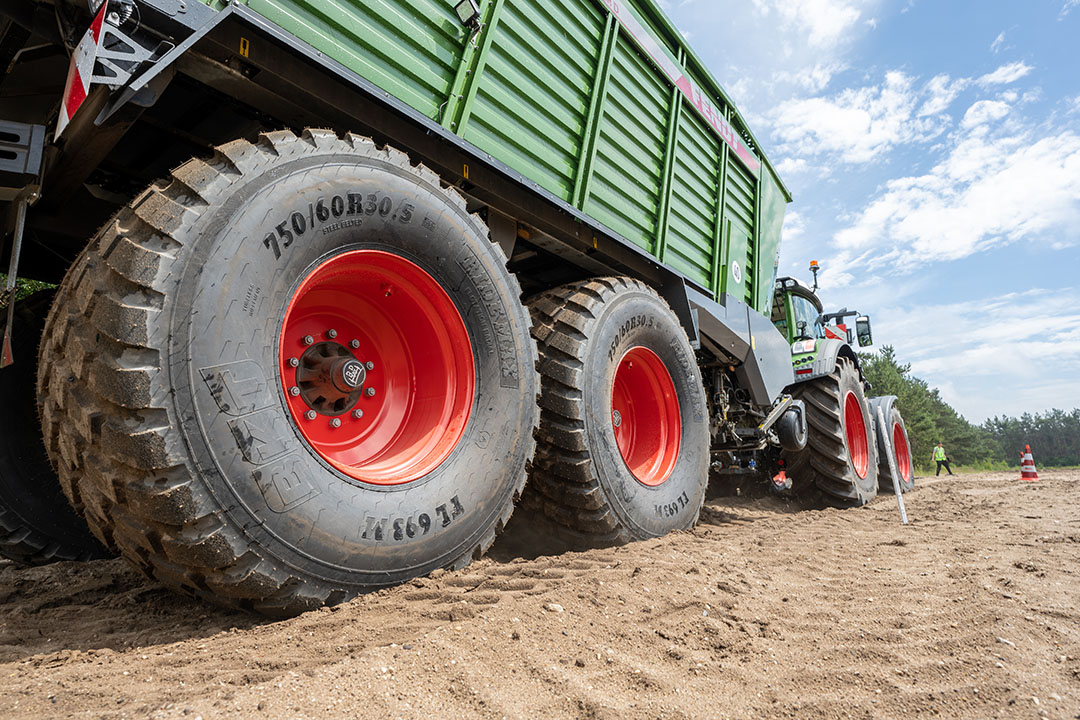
(81,71)
(836,332)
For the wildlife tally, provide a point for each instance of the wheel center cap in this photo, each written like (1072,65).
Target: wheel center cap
(348,374)
(329,378)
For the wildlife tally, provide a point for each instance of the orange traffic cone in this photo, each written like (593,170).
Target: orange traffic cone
(1027,466)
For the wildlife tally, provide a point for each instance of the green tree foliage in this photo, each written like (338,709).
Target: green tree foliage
(1054,436)
(929,419)
(23,288)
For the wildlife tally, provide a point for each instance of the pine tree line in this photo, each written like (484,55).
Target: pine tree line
(1054,436)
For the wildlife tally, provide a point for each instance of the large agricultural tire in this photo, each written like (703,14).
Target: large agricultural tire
(292,373)
(623,451)
(893,436)
(840,457)
(37,525)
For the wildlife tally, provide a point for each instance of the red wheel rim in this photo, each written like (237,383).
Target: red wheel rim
(855,429)
(645,416)
(900,447)
(377,318)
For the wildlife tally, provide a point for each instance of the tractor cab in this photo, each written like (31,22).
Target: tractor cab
(797,311)
(800,316)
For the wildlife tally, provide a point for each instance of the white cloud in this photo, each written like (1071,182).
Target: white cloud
(790,166)
(1006,74)
(812,78)
(984,112)
(1008,342)
(941,91)
(825,22)
(794,226)
(991,189)
(859,125)
(998,42)
(1067,7)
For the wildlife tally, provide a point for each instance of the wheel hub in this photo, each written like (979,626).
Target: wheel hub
(330,378)
(377,367)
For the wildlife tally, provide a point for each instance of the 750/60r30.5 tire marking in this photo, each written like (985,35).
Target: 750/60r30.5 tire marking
(166,394)
(623,448)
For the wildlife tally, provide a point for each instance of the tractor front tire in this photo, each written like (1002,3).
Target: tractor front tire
(840,457)
(623,450)
(292,373)
(37,525)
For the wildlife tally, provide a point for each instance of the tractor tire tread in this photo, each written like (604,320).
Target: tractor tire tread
(120,460)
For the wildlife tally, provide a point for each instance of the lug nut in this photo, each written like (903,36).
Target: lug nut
(311,414)
(370,392)
(354,344)
(358,413)
(308,340)
(336,423)
(294,362)
(369,365)
(294,391)
(331,333)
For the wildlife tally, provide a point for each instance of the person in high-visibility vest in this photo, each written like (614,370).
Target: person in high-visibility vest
(941,459)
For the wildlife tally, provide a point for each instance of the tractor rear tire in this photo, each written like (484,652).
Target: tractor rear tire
(893,436)
(37,525)
(623,451)
(840,457)
(292,373)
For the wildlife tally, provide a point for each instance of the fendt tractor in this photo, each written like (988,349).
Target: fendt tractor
(528,255)
(843,458)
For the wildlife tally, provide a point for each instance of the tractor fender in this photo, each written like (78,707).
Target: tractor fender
(828,351)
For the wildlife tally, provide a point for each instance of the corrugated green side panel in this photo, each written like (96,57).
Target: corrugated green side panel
(741,194)
(630,150)
(410,48)
(693,216)
(529,106)
(770,222)
(740,200)
(533,97)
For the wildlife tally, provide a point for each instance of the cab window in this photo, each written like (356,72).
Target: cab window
(803,311)
(779,314)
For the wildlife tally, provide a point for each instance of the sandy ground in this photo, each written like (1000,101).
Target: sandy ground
(766,609)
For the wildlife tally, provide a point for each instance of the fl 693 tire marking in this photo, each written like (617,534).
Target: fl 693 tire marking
(294,372)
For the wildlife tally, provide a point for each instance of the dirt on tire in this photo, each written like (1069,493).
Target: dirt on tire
(766,608)
(173,433)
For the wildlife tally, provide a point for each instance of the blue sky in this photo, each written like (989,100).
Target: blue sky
(933,149)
